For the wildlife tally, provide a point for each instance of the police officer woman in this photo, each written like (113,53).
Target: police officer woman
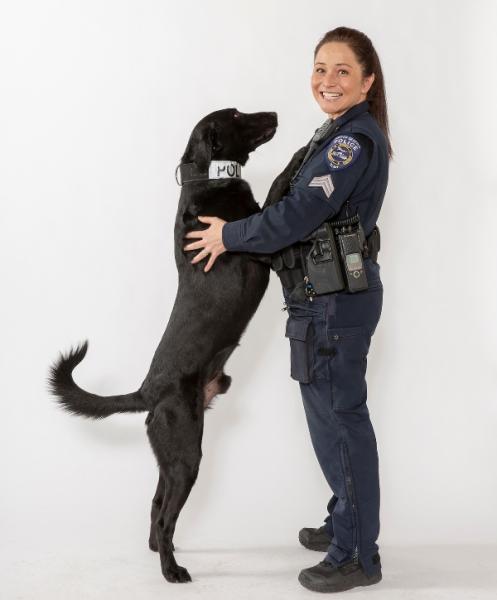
(343,174)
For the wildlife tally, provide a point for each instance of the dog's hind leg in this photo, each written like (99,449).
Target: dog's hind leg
(154,513)
(157,501)
(175,434)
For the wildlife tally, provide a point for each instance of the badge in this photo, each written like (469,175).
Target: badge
(324,182)
(342,152)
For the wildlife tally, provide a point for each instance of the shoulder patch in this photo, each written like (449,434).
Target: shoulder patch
(342,152)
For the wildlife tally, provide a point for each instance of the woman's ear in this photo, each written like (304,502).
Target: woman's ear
(202,148)
(367,83)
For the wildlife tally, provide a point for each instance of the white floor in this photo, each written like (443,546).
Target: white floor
(441,572)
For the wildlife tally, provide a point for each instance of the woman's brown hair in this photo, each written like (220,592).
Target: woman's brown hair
(366,56)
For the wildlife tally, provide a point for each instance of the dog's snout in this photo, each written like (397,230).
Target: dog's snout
(268,120)
(273,117)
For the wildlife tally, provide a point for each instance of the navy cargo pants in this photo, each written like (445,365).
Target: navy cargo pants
(329,342)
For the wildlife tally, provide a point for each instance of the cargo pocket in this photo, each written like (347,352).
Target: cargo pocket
(348,366)
(299,330)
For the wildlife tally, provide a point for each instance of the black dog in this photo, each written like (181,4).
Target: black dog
(210,314)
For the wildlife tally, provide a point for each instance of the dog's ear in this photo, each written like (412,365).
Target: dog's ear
(202,149)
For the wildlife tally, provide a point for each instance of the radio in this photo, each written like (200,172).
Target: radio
(351,240)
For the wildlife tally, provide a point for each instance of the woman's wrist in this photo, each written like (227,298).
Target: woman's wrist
(229,234)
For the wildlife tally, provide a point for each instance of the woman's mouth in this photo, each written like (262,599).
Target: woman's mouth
(330,96)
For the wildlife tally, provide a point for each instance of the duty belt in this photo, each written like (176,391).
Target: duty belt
(288,262)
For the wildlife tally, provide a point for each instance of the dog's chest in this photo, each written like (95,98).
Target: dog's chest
(229,200)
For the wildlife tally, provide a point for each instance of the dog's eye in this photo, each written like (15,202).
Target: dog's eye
(236,114)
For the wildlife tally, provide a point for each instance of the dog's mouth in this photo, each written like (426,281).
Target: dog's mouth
(265,136)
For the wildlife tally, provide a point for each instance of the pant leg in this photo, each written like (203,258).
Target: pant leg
(328,519)
(334,394)
(325,434)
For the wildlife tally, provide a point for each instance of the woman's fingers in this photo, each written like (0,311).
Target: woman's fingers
(210,262)
(195,233)
(209,241)
(201,255)
(194,245)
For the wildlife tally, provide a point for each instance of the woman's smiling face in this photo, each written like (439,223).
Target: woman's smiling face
(337,82)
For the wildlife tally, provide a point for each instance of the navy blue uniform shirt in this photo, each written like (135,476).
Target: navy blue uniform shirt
(352,164)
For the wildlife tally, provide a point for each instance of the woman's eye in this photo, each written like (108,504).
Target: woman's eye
(319,70)
(343,71)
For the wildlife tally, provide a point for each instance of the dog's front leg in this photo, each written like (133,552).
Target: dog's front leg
(281,185)
(175,434)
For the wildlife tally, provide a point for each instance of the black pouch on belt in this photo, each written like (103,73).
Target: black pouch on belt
(322,262)
(335,260)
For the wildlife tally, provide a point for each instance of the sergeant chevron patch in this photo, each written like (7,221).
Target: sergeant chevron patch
(324,182)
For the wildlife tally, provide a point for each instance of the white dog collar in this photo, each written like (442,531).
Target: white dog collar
(218,169)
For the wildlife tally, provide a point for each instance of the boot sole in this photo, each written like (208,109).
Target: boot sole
(350,581)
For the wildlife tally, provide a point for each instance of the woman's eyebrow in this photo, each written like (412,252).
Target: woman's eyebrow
(337,64)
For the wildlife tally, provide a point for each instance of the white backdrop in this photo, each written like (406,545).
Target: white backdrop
(97,100)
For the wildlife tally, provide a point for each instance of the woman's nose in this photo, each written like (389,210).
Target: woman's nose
(329,80)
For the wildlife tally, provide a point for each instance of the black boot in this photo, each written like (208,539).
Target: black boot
(325,577)
(315,539)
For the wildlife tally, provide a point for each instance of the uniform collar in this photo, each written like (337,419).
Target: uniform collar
(354,111)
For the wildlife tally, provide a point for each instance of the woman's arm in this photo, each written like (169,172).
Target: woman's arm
(318,195)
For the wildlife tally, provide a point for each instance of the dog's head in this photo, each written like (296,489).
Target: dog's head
(228,135)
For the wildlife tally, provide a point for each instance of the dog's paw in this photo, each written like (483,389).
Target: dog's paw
(177,574)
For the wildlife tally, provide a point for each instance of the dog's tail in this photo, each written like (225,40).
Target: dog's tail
(79,402)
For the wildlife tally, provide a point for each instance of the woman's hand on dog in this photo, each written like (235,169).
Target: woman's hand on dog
(211,241)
